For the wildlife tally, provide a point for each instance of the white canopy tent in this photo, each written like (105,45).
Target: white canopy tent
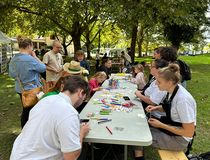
(4,43)
(4,38)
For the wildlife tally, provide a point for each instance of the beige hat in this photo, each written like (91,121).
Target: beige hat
(73,67)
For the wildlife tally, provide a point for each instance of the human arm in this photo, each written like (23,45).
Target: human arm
(151,108)
(70,135)
(33,54)
(93,85)
(144,98)
(187,129)
(83,132)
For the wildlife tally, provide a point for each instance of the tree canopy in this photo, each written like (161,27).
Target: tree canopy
(83,20)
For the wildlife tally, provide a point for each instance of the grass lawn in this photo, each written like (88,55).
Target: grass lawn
(199,86)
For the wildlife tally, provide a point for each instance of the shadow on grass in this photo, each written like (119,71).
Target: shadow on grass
(6,142)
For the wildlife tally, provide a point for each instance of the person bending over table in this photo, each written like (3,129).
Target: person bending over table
(53,130)
(175,130)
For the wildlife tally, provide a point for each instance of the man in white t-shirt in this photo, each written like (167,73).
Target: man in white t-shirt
(54,61)
(53,130)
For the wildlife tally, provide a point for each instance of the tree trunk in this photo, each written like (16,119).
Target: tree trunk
(76,35)
(64,46)
(133,42)
(88,44)
(140,40)
(76,42)
(147,44)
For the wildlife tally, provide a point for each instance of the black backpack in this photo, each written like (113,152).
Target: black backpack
(184,70)
(203,156)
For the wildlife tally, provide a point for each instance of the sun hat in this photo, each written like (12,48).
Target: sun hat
(73,67)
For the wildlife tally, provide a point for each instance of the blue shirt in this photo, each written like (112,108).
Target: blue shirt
(85,65)
(27,69)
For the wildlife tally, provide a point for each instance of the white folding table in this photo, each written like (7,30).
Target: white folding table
(128,128)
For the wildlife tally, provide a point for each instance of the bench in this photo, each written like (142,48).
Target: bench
(172,155)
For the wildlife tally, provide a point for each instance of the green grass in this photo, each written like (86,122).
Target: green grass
(10,108)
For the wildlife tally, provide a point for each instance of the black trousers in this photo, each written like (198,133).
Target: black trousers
(25,112)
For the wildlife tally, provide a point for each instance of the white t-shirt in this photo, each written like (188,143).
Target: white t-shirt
(54,61)
(53,128)
(155,95)
(183,107)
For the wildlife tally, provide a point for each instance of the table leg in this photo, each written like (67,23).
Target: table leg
(92,152)
(125,152)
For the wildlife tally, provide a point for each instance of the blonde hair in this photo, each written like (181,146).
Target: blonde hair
(139,67)
(24,42)
(170,73)
(100,74)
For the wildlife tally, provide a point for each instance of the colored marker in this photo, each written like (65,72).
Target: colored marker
(103,121)
(109,130)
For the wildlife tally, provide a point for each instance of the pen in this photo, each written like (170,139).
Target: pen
(104,121)
(109,130)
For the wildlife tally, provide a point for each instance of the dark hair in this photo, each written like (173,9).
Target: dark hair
(157,50)
(170,73)
(105,60)
(160,63)
(73,83)
(168,53)
(24,42)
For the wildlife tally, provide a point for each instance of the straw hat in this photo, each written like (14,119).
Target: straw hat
(73,67)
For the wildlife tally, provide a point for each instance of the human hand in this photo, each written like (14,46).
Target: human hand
(151,108)
(155,123)
(33,54)
(84,129)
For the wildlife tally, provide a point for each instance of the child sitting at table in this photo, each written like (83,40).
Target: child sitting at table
(96,81)
(80,57)
(139,78)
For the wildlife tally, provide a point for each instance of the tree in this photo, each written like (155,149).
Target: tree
(70,17)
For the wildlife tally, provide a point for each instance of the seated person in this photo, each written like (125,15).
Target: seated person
(175,130)
(74,68)
(96,81)
(80,57)
(151,95)
(106,67)
(139,78)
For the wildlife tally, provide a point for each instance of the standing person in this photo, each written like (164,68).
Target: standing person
(80,57)
(97,60)
(127,62)
(106,67)
(96,81)
(54,61)
(170,54)
(105,57)
(25,67)
(175,130)
(139,78)
(54,130)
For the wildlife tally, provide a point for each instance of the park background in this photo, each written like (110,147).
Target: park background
(93,25)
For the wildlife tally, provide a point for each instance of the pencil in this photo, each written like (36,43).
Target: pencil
(109,130)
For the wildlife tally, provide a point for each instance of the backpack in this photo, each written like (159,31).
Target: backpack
(184,70)
(203,156)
